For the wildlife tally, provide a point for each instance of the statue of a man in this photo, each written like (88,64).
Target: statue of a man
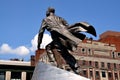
(65,37)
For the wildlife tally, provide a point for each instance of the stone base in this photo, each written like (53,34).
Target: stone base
(45,71)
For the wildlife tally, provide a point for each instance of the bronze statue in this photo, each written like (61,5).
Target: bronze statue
(65,38)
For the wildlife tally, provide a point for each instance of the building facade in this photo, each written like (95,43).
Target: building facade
(15,70)
(98,59)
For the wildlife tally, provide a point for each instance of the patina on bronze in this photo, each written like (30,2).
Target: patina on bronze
(65,38)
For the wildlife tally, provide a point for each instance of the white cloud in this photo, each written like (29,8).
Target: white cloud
(5,48)
(46,40)
(21,50)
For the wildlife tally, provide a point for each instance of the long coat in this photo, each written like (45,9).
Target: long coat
(58,28)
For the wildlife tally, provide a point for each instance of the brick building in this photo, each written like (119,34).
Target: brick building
(98,59)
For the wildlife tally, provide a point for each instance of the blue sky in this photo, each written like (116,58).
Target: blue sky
(20,21)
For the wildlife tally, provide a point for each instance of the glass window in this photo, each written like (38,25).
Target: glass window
(91,73)
(108,65)
(97,74)
(103,74)
(113,55)
(84,73)
(109,75)
(2,75)
(83,50)
(15,75)
(83,62)
(115,66)
(118,54)
(29,75)
(102,64)
(96,64)
(116,76)
(89,52)
(90,63)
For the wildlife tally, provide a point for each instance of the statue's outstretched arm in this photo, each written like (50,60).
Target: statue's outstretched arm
(40,34)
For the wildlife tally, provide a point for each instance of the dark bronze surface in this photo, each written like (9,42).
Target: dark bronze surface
(65,38)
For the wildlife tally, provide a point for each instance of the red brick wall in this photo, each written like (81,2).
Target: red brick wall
(112,40)
(37,54)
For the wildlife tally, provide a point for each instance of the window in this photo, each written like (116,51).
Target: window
(96,64)
(84,73)
(29,75)
(103,74)
(90,63)
(89,52)
(83,50)
(108,65)
(91,73)
(113,55)
(83,62)
(97,74)
(109,74)
(2,75)
(102,64)
(116,76)
(119,55)
(15,75)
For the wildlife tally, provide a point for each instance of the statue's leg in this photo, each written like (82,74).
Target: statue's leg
(50,54)
(70,60)
(54,56)
(63,57)
(59,55)
(59,59)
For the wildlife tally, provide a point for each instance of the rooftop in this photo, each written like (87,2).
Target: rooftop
(18,63)
(110,33)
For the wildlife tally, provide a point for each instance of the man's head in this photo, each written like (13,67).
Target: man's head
(50,10)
